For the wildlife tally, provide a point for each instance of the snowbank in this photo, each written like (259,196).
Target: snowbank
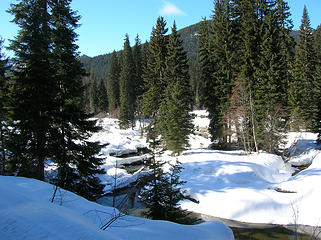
(27,213)
(258,188)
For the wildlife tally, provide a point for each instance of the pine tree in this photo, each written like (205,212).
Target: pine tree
(223,46)
(75,156)
(33,89)
(175,121)
(145,53)
(163,192)
(127,88)
(102,99)
(113,83)
(205,67)
(155,71)
(317,81)
(270,87)
(301,88)
(138,61)
(93,93)
(3,111)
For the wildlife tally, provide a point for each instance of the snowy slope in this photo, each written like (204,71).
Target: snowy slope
(233,185)
(27,213)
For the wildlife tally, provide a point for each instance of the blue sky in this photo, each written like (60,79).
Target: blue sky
(104,23)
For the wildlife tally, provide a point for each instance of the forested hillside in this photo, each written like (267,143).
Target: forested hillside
(189,35)
(99,65)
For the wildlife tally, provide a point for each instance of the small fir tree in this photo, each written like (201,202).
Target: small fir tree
(163,193)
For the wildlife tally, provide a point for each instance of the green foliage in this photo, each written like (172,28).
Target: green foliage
(223,46)
(317,80)
(163,193)
(138,61)
(33,87)
(155,71)
(102,98)
(70,149)
(175,121)
(270,87)
(302,87)
(205,67)
(93,93)
(127,88)
(48,120)
(3,111)
(113,83)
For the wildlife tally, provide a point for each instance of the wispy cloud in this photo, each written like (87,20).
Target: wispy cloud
(170,9)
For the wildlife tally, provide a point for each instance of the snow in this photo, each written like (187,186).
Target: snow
(26,212)
(256,188)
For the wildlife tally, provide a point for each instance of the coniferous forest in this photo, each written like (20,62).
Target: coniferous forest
(242,65)
(255,75)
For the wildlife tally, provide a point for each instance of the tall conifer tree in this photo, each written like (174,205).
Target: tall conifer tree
(301,88)
(154,75)
(127,88)
(138,61)
(93,93)
(175,121)
(70,148)
(317,80)
(205,67)
(113,83)
(223,47)
(102,99)
(270,87)
(33,88)
(3,111)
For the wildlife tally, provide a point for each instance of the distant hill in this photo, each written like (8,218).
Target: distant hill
(99,64)
(189,35)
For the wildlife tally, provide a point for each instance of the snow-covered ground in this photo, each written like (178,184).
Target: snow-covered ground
(258,188)
(231,184)
(26,212)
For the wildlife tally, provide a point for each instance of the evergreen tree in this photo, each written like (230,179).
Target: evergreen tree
(154,73)
(317,80)
(163,192)
(205,67)
(102,98)
(113,83)
(93,93)
(127,88)
(270,87)
(3,111)
(33,88)
(138,61)
(145,53)
(70,149)
(302,87)
(175,121)
(223,46)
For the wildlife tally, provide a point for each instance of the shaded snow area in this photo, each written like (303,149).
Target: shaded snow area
(258,188)
(27,213)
